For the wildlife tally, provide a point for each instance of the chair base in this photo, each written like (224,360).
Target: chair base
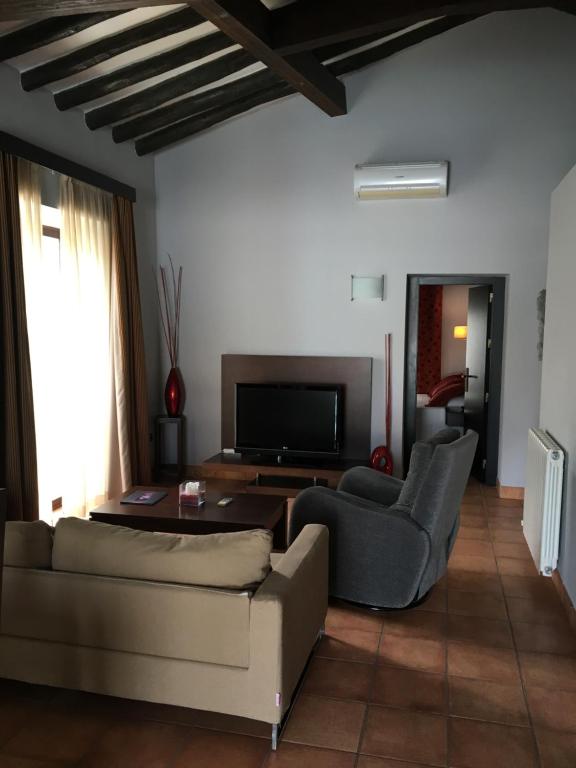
(384,609)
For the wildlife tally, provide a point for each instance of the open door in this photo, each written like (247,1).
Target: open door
(485,344)
(477,374)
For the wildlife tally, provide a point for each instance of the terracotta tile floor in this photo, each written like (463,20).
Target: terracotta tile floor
(483,675)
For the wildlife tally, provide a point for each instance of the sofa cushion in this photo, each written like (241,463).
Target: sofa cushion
(225,560)
(444,394)
(453,378)
(173,621)
(28,545)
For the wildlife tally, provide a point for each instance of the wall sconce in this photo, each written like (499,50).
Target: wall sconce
(460,331)
(367,287)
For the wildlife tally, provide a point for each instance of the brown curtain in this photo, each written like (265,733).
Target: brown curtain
(125,274)
(429,338)
(18,470)
(2,529)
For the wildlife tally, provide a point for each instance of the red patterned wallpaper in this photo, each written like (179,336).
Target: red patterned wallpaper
(429,337)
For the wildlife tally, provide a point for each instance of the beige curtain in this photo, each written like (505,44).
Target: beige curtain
(86,343)
(17,435)
(93,375)
(41,313)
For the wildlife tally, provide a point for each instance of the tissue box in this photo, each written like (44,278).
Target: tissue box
(192,493)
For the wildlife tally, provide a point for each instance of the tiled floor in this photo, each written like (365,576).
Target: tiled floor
(483,675)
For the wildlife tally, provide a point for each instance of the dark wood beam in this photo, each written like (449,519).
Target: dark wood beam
(186,128)
(569,6)
(337,49)
(389,47)
(248,23)
(215,97)
(229,107)
(15,10)
(171,88)
(48,31)
(245,87)
(141,70)
(107,47)
(164,62)
(308,24)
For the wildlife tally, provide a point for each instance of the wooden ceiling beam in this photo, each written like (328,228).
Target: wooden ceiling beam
(201,122)
(568,6)
(247,22)
(131,74)
(246,86)
(107,47)
(228,107)
(172,88)
(338,49)
(16,10)
(389,47)
(306,24)
(42,33)
(164,62)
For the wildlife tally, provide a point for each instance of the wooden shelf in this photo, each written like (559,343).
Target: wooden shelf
(245,470)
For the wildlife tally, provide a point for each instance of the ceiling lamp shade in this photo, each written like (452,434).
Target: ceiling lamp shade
(401,180)
(460,331)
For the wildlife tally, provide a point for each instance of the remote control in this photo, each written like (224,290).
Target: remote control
(224,501)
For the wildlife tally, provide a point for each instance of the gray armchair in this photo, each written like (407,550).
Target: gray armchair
(390,540)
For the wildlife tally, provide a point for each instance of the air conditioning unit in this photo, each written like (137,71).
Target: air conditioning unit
(378,182)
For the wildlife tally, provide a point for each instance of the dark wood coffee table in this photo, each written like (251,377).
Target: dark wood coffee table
(246,512)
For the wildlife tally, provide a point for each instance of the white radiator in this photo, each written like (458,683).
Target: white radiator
(543,499)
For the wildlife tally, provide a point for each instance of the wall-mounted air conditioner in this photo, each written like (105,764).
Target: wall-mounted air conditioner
(378,182)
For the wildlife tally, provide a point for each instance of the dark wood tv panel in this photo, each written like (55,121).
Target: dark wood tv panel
(244,473)
(353,374)
(263,474)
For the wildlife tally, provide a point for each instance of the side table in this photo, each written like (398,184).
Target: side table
(169,447)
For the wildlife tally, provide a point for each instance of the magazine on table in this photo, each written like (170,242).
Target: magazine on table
(148,498)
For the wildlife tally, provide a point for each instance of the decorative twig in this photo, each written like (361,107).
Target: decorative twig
(170,303)
(165,330)
(167,313)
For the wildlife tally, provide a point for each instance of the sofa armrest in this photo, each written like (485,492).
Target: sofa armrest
(287,613)
(372,485)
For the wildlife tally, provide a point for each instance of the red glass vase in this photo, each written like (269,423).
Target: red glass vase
(174,393)
(381,459)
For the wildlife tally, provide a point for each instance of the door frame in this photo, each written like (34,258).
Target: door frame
(494,379)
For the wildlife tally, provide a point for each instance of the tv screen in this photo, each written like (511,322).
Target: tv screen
(288,419)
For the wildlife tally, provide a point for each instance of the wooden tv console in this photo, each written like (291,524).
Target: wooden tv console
(260,474)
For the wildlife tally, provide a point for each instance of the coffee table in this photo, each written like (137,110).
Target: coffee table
(247,511)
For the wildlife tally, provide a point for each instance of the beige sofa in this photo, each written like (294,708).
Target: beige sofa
(76,615)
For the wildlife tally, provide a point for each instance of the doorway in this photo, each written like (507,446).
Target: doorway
(459,385)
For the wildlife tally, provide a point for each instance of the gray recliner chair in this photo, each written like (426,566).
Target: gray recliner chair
(390,540)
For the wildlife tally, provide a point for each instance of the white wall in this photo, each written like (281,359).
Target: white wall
(558,404)
(34,118)
(454,312)
(261,214)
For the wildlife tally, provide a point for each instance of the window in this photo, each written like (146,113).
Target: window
(76,379)
(45,355)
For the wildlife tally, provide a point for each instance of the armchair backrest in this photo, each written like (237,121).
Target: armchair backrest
(438,501)
(420,458)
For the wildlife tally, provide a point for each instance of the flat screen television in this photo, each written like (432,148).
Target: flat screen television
(289,419)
